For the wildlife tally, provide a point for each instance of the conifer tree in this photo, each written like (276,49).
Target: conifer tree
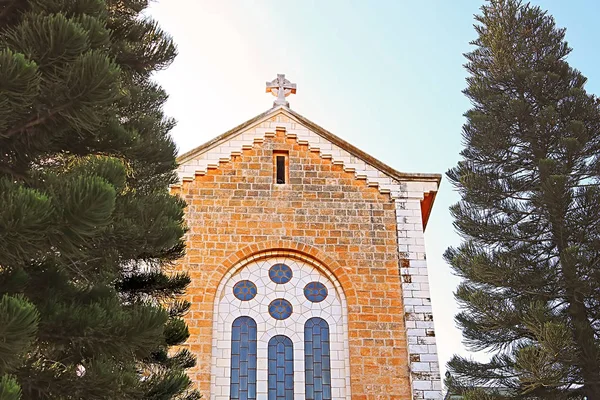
(88,229)
(529,213)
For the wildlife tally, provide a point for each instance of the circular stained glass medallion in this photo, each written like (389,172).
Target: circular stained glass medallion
(244,290)
(280,273)
(280,309)
(315,292)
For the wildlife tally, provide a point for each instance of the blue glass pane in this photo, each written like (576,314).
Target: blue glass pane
(289,381)
(310,394)
(235,391)
(280,309)
(280,273)
(243,359)
(317,364)
(244,290)
(315,292)
(281,368)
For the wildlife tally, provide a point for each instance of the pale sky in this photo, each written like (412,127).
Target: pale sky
(384,75)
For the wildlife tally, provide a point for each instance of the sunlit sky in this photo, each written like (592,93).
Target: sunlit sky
(386,76)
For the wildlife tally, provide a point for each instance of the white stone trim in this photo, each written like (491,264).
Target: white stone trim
(418,314)
(222,152)
(227,308)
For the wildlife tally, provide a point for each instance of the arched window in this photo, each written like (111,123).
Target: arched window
(280,326)
(243,359)
(317,364)
(281,368)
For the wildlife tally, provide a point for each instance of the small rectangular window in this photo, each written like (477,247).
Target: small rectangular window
(280,161)
(280,169)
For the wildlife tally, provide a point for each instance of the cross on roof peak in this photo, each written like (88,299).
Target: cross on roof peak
(281,88)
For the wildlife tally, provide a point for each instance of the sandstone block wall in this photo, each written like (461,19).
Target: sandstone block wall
(236,210)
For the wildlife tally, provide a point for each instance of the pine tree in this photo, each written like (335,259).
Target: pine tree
(530,201)
(88,229)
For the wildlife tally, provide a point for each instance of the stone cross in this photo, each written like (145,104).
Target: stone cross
(281,88)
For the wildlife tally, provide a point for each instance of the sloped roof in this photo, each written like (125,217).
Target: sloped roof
(355,151)
(386,177)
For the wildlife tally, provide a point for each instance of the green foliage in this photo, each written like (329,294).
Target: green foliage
(529,182)
(154,283)
(9,388)
(86,221)
(18,326)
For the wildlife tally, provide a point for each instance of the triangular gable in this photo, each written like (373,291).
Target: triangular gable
(365,167)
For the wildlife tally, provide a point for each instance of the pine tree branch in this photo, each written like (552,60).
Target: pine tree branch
(35,121)
(72,280)
(7,7)
(12,172)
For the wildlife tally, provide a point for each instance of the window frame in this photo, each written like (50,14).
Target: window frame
(282,155)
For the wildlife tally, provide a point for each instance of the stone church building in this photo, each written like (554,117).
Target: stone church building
(308,267)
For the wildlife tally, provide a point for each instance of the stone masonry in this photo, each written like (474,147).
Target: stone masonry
(364,226)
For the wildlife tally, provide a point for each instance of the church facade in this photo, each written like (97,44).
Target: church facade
(308,267)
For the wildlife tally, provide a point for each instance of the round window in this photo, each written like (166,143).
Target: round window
(244,290)
(315,292)
(280,309)
(280,273)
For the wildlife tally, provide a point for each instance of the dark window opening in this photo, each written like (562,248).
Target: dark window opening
(280,165)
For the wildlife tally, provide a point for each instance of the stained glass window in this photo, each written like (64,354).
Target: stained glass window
(317,364)
(281,368)
(244,290)
(280,309)
(315,292)
(243,359)
(280,273)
